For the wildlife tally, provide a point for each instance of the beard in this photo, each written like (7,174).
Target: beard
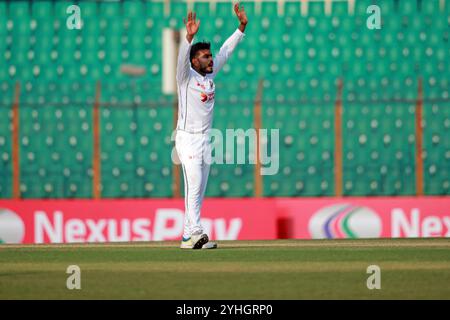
(207,70)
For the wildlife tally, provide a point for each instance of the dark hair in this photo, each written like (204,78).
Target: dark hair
(197,47)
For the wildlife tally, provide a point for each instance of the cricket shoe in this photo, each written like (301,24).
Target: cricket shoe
(189,244)
(199,239)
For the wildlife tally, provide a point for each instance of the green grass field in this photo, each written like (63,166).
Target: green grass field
(282,269)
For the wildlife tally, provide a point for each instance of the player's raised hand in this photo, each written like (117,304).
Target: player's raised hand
(240,13)
(192,26)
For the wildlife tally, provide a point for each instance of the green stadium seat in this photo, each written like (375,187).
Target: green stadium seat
(299,57)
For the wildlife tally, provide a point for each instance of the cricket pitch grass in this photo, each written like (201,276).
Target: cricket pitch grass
(280,269)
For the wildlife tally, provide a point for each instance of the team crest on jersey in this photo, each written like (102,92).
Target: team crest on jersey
(204,97)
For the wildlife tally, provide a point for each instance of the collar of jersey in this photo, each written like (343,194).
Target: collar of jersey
(203,77)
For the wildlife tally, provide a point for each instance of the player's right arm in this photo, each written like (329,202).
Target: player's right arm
(183,64)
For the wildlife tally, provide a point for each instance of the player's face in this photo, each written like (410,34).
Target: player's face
(204,62)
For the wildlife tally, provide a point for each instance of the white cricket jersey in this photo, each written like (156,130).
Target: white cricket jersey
(196,92)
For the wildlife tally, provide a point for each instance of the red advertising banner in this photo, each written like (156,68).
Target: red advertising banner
(386,217)
(68,221)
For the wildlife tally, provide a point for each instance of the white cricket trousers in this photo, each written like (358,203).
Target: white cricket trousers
(194,152)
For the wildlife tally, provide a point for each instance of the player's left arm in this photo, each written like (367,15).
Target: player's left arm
(230,44)
(242,16)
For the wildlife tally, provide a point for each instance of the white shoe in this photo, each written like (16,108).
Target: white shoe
(186,243)
(189,244)
(210,245)
(198,240)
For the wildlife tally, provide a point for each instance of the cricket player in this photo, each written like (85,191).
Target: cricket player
(196,70)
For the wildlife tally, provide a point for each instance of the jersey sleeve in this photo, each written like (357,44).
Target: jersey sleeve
(226,50)
(183,63)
